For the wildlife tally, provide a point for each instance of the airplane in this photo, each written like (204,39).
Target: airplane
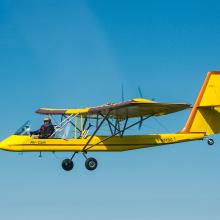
(77,129)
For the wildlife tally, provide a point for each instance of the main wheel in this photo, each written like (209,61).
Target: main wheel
(211,141)
(67,164)
(91,163)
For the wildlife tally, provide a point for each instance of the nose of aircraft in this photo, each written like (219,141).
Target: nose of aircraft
(4,145)
(11,143)
(1,145)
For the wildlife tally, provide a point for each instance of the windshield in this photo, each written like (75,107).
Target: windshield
(24,129)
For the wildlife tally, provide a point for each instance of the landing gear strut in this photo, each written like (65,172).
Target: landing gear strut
(210,141)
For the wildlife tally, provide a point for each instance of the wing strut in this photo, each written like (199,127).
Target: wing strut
(125,124)
(97,128)
(105,139)
(111,124)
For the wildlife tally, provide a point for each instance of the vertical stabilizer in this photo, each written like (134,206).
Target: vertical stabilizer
(205,115)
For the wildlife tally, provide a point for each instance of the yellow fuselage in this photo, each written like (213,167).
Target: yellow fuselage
(27,143)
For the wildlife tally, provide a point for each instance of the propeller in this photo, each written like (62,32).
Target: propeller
(141,122)
(140,92)
(122,93)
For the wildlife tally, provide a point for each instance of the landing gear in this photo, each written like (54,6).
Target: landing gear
(67,164)
(210,141)
(91,163)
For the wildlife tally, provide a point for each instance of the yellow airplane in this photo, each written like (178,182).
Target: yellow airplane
(77,129)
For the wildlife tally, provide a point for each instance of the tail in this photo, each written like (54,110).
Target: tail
(205,115)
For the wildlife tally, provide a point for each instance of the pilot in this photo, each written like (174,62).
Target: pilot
(45,131)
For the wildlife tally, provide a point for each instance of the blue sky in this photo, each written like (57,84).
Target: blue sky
(77,54)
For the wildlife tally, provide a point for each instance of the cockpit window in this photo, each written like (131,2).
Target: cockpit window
(24,129)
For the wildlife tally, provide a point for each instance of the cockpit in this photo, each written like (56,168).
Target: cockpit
(62,130)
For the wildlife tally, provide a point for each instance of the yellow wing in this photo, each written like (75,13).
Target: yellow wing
(130,109)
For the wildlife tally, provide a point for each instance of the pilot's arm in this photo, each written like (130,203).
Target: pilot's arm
(35,132)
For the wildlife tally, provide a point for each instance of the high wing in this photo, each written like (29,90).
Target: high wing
(138,107)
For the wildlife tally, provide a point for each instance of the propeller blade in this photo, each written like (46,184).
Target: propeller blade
(122,93)
(140,124)
(140,92)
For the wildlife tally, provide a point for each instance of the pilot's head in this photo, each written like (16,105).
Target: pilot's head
(47,120)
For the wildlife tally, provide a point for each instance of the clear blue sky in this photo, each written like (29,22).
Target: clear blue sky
(78,53)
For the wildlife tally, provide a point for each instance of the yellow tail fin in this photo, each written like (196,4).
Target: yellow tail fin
(205,115)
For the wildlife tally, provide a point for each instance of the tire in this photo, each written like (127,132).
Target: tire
(211,141)
(67,164)
(91,163)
